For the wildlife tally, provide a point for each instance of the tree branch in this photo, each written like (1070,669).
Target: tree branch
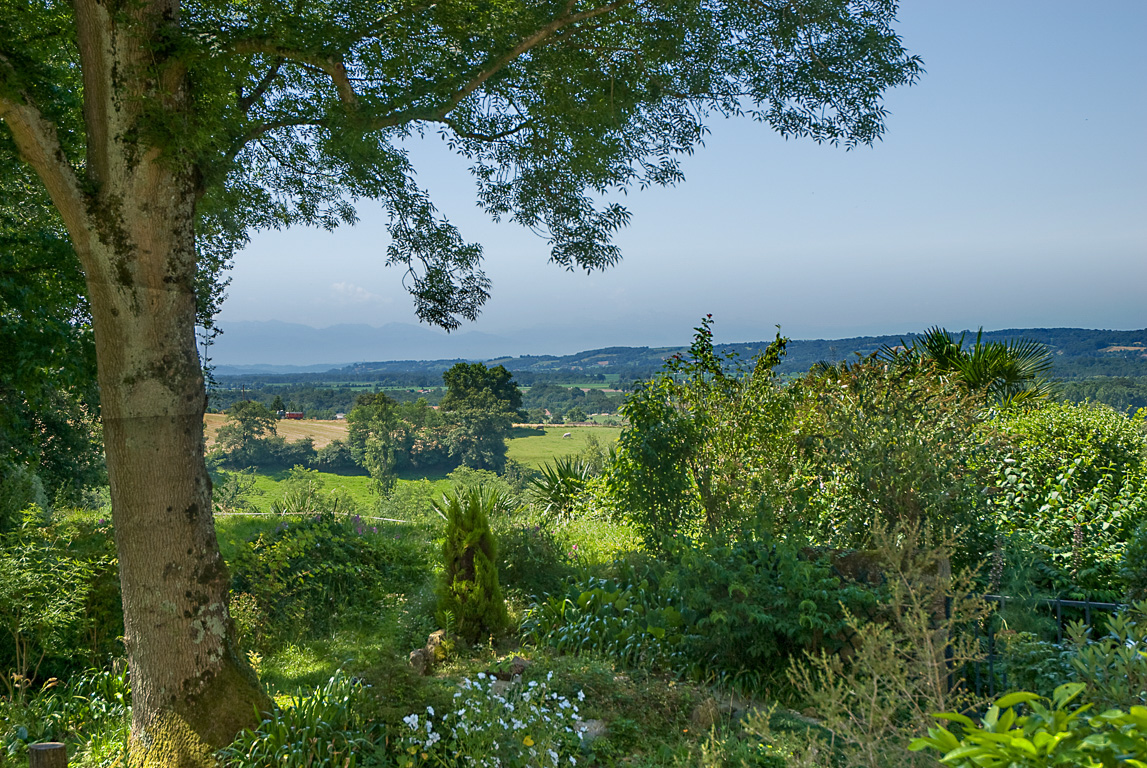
(331,65)
(39,146)
(248,101)
(523,47)
(488,137)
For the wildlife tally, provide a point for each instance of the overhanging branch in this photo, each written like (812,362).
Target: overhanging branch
(39,146)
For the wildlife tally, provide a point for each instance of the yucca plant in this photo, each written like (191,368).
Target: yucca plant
(469,589)
(560,483)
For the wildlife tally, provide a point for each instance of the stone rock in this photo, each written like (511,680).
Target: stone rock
(438,644)
(510,671)
(420,661)
(704,715)
(589,730)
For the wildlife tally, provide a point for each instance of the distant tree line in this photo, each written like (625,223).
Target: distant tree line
(1127,394)
(468,427)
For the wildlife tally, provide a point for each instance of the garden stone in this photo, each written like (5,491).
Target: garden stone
(437,645)
(420,662)
(704,715)
(591,730)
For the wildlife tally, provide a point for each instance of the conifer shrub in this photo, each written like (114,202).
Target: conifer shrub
(469,591)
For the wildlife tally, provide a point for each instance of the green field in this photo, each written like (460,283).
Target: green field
(535,446)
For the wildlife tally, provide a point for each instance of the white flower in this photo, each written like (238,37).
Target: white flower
(550,675)
(430,711)
(553,755)
(572,761)
(411,720)
(481,675)
(581,695)
(533,683)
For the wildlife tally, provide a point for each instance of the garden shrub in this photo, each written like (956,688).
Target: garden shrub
(753,602)
(1050,438)
(1028,663)
(706,442)
(59,598)
(1114,666)
(306,575)
(1046,732)
(531,559)
(20,488)
(881,447)
(1133,570)
(469,591)
(1076,533)
(733,610)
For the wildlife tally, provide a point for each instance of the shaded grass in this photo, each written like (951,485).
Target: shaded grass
(535,446)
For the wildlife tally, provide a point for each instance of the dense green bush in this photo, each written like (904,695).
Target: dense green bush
(1073,491)
(59,596)
(880,447)
(1133,569)
(754,602)
(20,488)
(306,575)
(469,591)
(732,610)
(531,559)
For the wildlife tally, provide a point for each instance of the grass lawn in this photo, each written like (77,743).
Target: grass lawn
(534,446)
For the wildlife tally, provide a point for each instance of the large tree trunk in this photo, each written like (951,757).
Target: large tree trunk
(191,690)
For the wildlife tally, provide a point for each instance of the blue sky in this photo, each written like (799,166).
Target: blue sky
(1010,190)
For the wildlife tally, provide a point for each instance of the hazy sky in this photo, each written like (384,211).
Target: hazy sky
(1010,190)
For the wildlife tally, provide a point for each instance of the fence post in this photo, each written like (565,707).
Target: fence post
(50,754)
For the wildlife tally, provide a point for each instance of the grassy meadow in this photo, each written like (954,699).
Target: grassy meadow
(534,446)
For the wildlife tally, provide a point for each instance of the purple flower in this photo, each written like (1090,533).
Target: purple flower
(101,522)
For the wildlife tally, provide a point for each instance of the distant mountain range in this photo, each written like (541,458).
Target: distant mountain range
(1077,352)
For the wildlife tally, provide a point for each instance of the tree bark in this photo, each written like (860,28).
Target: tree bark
(131,221)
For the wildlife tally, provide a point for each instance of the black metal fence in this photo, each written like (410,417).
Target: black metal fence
(988,676)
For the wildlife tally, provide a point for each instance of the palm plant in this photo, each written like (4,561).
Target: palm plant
(1007,372)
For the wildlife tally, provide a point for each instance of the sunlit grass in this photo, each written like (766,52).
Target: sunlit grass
(535,446)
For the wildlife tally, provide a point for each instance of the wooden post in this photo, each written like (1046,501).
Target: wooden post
(50,754)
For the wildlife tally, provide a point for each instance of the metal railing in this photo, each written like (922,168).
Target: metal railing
(986,672)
